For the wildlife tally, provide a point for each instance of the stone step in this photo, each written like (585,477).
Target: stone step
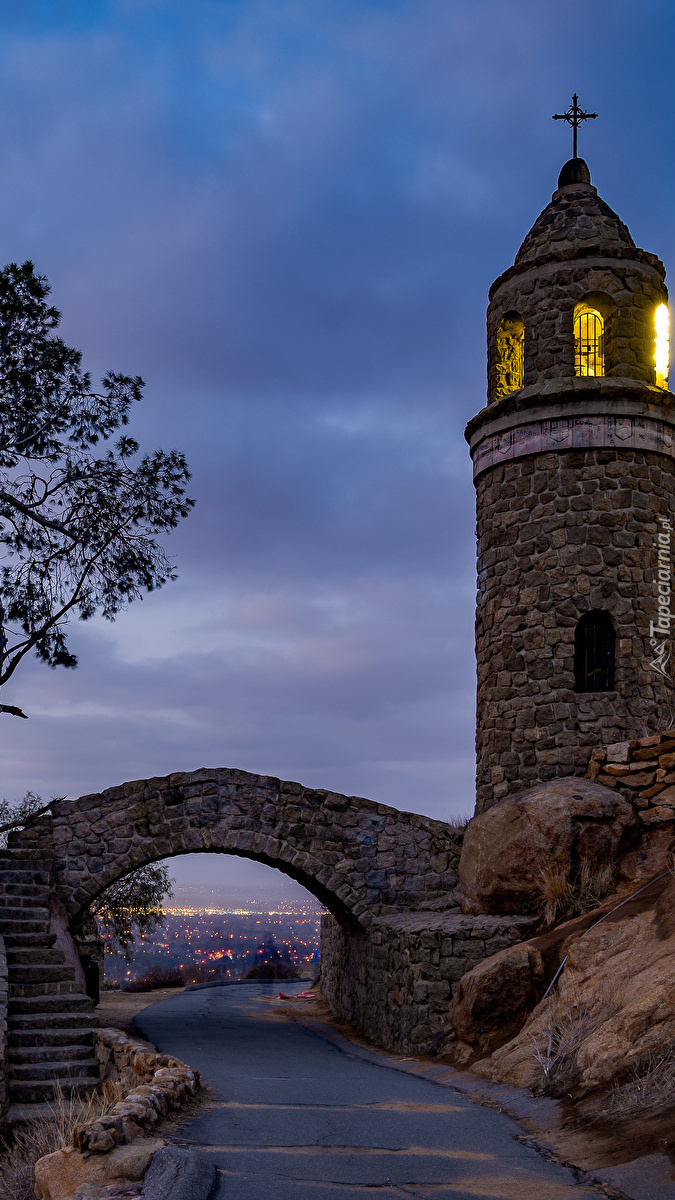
(64,1003)
(13,856)
(20,875)
(32,1091)
(31,899)
(19,1114)
(29,939)
(63,1069)
(50,1037)
(18,911)
(45,972)
(23,1055)
(33,955)
(53,1020)
(21,928)
(18,991)
(37,890)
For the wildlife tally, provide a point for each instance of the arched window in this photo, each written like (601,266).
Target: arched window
(662,345)
(589,341)
(594,645)
(510,357)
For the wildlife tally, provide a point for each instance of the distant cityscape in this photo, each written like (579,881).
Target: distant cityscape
(212,934)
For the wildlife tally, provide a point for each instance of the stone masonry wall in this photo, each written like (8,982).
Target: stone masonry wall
(395,981)
(644,772)
(4,993)
(560,534)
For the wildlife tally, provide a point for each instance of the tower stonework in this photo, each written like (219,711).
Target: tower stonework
(574,467)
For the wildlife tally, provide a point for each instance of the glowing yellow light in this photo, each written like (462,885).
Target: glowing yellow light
(662,345)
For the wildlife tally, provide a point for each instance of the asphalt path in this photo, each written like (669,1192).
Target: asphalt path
(296,1117)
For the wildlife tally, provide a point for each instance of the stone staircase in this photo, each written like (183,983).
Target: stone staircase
(50,1022)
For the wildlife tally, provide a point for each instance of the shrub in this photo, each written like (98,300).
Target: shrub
(273,970)
(649,1091)
(157,977)
(457,821)
(563,896)
(556,1049)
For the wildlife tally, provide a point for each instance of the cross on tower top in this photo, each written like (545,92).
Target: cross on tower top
(574,116)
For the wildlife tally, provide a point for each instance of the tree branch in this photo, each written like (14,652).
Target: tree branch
(32,515)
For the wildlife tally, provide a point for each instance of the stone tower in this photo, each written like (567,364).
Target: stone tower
(573,463)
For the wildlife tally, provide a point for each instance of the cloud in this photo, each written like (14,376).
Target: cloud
(286,215)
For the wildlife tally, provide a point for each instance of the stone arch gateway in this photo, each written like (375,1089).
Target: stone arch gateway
(359,858)
(387,878)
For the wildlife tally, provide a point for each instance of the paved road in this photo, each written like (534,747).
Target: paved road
(297,1118)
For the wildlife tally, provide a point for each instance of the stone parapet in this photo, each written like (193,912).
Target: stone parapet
(395,981)
(127,1062)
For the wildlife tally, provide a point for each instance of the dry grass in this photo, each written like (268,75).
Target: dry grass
(457,820)
(563,896)
(649,1092)
(52,1132)
(557,1048)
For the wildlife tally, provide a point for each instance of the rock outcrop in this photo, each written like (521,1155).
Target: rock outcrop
(612,1008)
(493,1001)
(560,824)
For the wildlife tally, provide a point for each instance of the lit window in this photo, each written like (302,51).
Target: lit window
(594,648)
(662,345)
(510,364)
(589,341)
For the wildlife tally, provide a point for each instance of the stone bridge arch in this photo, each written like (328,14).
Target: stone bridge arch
(359,858)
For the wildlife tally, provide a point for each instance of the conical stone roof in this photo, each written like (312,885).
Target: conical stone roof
(576,223)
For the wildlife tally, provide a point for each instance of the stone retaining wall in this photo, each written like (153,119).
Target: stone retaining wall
(150,1083)
(127,1062)
(395,982)
(643,771)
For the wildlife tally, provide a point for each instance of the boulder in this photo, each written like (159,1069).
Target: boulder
(558,824)
(497,987)
(178,1173)
(493,1000)
(59,1175)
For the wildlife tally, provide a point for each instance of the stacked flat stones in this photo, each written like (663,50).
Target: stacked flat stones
(571,475)
(644,772)
(151,1085)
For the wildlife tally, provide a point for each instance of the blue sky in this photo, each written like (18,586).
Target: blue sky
(285,215)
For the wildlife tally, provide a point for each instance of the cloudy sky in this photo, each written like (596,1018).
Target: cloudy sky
(285,215)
